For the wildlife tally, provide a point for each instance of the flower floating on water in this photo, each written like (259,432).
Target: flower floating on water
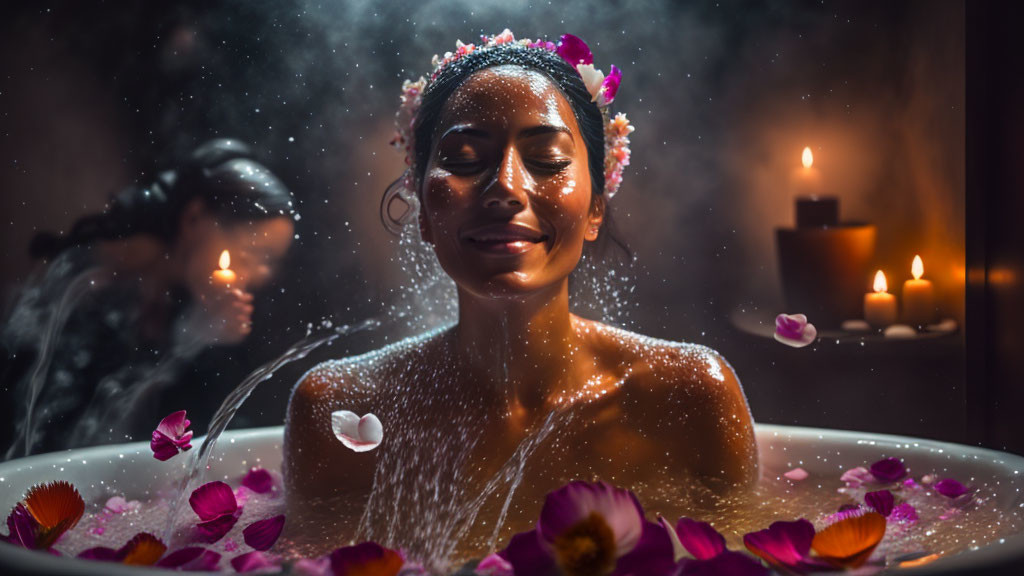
(215,504)
(950,488)
(359,434)
(850,542)
(591,528)
(262,534)
(47,512)
(171,436)
(888,470)
(794,330)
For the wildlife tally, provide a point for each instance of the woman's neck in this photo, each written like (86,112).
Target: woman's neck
(528,346)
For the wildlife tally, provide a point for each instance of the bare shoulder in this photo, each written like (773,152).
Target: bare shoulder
(689,395)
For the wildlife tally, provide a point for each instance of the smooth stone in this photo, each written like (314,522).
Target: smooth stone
(900,332)
(855,325)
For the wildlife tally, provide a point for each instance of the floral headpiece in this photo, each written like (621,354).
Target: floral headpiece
(574,51)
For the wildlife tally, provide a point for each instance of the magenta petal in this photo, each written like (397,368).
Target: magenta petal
(252,561)
(652,555)
(350,558)
(950,488)
(494,565)
(888,470)
(213,530)
(162,446)
(610,84)
(101,553)
(212,500)
(903,513)
(174,424)
(574,50)
(725,564)
(261,535)
(577,500)
(881,501)
(258,480)
(785,544)
(171,436)
(700,539)
(22,527)
(191,559)
(789,327)
(527,556)
(855,477)
(313,566)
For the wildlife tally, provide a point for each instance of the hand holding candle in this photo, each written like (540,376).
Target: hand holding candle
(918,297)
(225,275)
(880,306)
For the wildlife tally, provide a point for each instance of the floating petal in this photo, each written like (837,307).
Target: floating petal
(213,530)
(888,470)
(191,559)
(785,545)
(881,501)
(576,502)
(212,500)
(903,513)
(171,436)
(855,477)
(725,564)
(794,330)
(22,528)
(142,550)
(263,534)
(57,507)
(700,539)
(797,474)
(494,565)
(849,543)
(950,488)
(258,480)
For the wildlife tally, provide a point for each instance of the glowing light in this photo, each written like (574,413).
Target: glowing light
(917,268)
(225,260)
(880,284)
(807,158)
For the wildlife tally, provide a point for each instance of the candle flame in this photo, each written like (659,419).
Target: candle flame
(917,268)
(807,158)
(880,284)
(225,260)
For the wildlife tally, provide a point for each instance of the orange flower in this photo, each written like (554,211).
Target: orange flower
(143,550)
(848,543)
(57,507)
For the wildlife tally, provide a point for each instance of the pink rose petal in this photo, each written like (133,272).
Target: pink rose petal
(797,474)
(212,500)
(258,480)
(263,534)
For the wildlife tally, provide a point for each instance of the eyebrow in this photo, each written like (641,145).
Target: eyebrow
(527,133)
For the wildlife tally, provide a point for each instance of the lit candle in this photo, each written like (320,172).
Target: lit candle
(918,297)
(880,306)
(225,275)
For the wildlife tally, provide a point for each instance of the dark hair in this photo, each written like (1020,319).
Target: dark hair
(221,172)
(562,75)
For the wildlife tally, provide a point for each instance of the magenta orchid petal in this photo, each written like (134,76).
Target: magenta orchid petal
(494,565)
(574,50)
(790,326)
(576,501)
(725,564)
(171,436)
(254,561)
(786,545)
(22,527)
(881,501)
(610,86)
(652,555)
(263,534)
(700,539)
(258,480)
(888,470)
(212,500)
(950,488)
(213,530)
(527,556)
(903,513)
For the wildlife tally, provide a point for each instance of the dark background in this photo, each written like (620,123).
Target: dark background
(724,95)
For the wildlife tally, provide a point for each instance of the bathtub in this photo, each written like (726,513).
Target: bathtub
(136,473)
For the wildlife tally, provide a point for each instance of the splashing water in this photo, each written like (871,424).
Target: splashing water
(197,464)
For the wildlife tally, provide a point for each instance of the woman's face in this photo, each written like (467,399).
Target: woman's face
(506,193)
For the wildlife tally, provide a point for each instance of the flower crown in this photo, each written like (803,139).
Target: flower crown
(574,51)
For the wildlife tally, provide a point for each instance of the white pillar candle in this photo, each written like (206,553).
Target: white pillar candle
(880,306)
(918,297)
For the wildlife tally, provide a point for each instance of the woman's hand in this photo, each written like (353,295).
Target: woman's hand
(221,316)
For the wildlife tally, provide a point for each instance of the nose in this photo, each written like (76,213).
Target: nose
(508,188)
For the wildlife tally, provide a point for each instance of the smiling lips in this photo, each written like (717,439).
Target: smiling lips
(504,238)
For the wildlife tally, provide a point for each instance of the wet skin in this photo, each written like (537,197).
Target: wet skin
(507,205)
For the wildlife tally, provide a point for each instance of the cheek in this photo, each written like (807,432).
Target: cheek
(565,200)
